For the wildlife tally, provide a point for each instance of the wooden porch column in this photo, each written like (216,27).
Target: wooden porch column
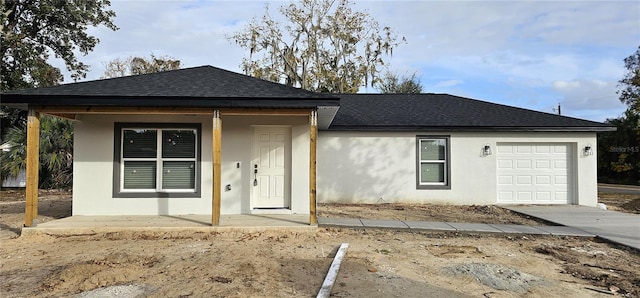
(33,164)
(313,135)
(217,181)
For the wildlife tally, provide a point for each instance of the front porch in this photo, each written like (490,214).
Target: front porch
(213,168)
(223,176)
(92,225)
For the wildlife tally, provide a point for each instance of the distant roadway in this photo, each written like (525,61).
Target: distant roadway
(621,189)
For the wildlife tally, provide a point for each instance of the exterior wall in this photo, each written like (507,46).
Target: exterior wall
(93,169)
(18,181)
(93,166)
(236,148)
(373,167)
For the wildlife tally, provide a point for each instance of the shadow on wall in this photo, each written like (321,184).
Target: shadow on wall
(371,169)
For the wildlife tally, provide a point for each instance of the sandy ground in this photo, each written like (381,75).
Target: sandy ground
(379,263)
(621,202)
(428,212)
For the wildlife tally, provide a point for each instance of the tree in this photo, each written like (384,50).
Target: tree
(619,151)
(33,30)
(13,161)
(56,152)
(56,135)
(619,154)
(138,65)
(630,84)
(323,46)
(392,83)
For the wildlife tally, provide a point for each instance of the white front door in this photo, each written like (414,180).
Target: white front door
(271,167)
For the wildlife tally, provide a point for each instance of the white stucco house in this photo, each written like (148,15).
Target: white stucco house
(208,141)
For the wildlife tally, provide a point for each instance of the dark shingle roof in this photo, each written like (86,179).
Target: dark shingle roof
(197,86)
(208,86)
(446,112)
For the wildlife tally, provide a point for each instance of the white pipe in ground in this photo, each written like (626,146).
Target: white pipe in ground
(325,290)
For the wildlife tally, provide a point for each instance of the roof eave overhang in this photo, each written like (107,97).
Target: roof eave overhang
(21,106)
(474,128)
(154,101)
(326,114)
(327,106)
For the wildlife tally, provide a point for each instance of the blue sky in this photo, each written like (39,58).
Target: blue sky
(530,54)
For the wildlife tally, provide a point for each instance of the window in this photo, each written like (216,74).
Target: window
(433,162)
(156,160)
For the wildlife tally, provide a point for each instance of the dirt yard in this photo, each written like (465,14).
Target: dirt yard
(621,202)
(379,263)
(428,212)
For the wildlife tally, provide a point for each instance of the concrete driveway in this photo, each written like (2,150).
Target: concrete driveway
(618,227)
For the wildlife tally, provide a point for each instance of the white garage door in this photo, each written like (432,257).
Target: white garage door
(534,173)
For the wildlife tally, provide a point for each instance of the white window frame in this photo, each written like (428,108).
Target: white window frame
(158,191)
(446,184)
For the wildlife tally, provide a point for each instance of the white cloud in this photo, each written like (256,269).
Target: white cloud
(588,95)
(455,45)
(448,83)
(193,32)
(583,23)
(559,40)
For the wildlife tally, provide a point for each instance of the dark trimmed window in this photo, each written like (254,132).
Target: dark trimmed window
(156,160)
(433,162)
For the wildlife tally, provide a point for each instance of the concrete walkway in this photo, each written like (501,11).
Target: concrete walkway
(451,227)
(618,227)
(579,221)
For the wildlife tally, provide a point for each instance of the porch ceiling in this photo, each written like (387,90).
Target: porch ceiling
(325,113)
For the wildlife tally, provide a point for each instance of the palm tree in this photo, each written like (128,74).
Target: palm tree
(56,152)
(12,157)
